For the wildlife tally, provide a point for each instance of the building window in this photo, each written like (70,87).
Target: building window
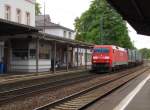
(32,54)
(20,54)
(7,12)
(77,57)
(70,35)
(20,49)
(88,57)
(65,34)
(28,18)
(44,51)
(18,15)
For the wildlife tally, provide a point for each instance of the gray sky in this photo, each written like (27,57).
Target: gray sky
(65,11)
(140,41)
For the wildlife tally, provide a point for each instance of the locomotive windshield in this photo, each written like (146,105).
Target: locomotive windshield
(101,50)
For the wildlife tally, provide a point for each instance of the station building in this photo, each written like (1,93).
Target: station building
(20,11)
(45,25)
(25,48)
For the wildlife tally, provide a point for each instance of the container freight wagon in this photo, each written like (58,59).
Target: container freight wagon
(138,57)
(108,57)
(134,57)
(131,57)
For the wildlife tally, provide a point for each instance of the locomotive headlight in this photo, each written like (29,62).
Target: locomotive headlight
(106,57)
(95,57)
(107,60)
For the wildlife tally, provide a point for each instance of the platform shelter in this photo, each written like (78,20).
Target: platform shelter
(24,49)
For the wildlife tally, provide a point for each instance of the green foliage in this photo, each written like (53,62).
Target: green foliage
(145,53)
(37,9)
(113,29)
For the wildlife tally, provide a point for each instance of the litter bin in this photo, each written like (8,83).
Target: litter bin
(1,68)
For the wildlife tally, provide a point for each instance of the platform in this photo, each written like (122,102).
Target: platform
(142,100)
(117,100)
(16,77)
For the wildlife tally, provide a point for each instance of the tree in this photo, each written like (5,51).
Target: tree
(145,53)
(37,9)
(114,30)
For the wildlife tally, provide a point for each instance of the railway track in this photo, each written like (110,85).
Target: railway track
(34,90)
(21,93)
(29,80)
(88,96)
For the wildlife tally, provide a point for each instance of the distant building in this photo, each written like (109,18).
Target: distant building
(20,11)
(48,27)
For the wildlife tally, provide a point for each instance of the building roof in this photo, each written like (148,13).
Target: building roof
(41,18)
(64,40)
(40,23)
(136,12)
(13,28)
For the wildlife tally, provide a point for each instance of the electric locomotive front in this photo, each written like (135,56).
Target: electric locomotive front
(101,58)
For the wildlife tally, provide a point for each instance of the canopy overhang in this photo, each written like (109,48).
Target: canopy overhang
(12,28)
(58,39)
(136,12)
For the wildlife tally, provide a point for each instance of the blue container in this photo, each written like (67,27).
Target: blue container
(1,68)
(4,68)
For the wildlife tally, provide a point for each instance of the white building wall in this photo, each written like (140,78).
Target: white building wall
(60,33)
(57,32)
(23,5)
(30,66)
(67,34)
(73,36)
(89,52)
(81,59)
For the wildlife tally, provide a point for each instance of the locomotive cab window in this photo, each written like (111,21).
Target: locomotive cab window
(101,50)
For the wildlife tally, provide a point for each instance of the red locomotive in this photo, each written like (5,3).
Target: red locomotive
(109,57)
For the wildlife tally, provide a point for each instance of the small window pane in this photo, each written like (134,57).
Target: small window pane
(44,52)
(7,12)
(18,16)
(101,50)
(32,53)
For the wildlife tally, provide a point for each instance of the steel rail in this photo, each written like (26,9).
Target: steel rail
(80,100)
(16,94)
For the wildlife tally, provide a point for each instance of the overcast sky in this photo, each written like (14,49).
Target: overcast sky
(65,11)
